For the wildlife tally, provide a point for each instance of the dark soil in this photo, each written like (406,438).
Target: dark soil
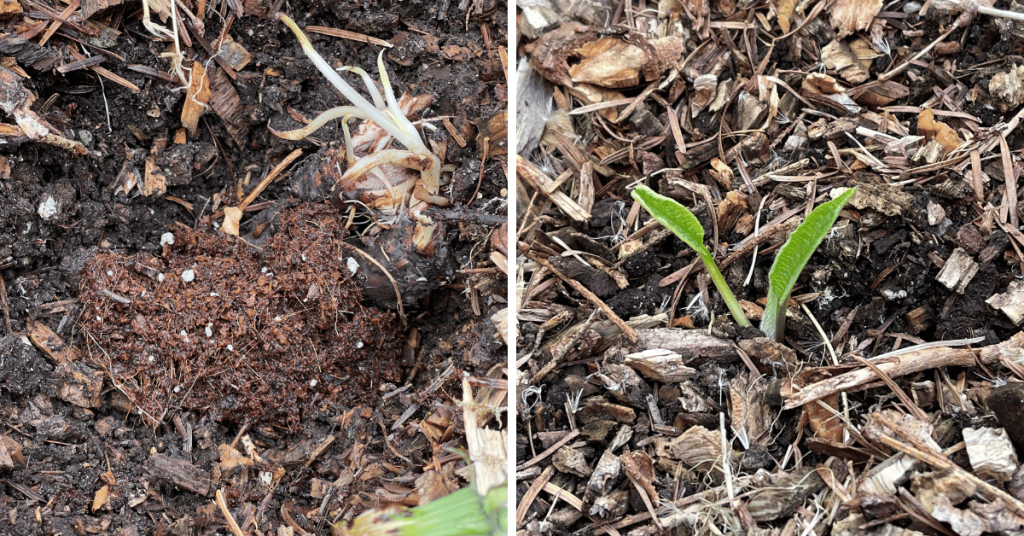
(329,368)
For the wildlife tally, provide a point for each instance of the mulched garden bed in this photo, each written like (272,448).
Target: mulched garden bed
(890,404)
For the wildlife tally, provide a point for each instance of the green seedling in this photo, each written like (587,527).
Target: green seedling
(793,257)
(786,269)
(463,513)
(684,224)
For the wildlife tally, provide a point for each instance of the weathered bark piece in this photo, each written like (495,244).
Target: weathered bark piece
(612,505)
(696,446)
(539,181)
(751,417)
(1011,302)
(690,344)
(228,105)
(92,7)
(604,478)
(901,365)
(938,492)
(770,355)
(549,55)
(884,198)
(571,461)
(782,499)
(958,271)
(831,129)
(1008,86)
(991,453)
(10,453)
(50,343)
(660,365)
(838,57)
(849,16)
(729,211)
(179,473)
(81,385)
(639,468)
(28,53)
(196,97)
(597,407)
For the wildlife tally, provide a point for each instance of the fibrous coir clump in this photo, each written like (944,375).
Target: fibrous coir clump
(276,335)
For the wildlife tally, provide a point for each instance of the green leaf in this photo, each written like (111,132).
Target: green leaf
(793,257)
(686,226)
(462,513)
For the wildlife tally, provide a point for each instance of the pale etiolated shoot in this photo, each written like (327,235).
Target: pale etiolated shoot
(388,179)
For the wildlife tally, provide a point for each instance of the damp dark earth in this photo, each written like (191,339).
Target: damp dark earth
(202,319)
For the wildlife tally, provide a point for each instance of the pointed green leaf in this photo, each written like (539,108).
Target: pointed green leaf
(686,226)
(673,216)
(793,257)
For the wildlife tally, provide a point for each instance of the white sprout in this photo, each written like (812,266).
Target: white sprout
(385,112)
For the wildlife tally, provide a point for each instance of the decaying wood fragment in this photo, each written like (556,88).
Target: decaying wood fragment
(539,181)
(887,199)
(92,7)
(1011,302)
(660,365)
(958,271)
(697,447)
(228,105)
(571,461)
(783,498)
(486,445)
(604,478)
(750,415)
(991,453)
(897,364)
(196,97)
(179,473)
(690,344)
(10,453)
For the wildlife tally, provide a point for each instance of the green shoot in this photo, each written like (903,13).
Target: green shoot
(685,225)
(793,257)
(463,513)
(786,269)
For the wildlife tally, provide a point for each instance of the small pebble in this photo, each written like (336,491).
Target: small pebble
(188,276)
(48,208)
(312,383)
(159,278)
(359,344)
(231,348)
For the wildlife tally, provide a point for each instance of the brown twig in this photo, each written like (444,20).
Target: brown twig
(622,325)
(900,363)
(269,178)
(3,301)
(398,293)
